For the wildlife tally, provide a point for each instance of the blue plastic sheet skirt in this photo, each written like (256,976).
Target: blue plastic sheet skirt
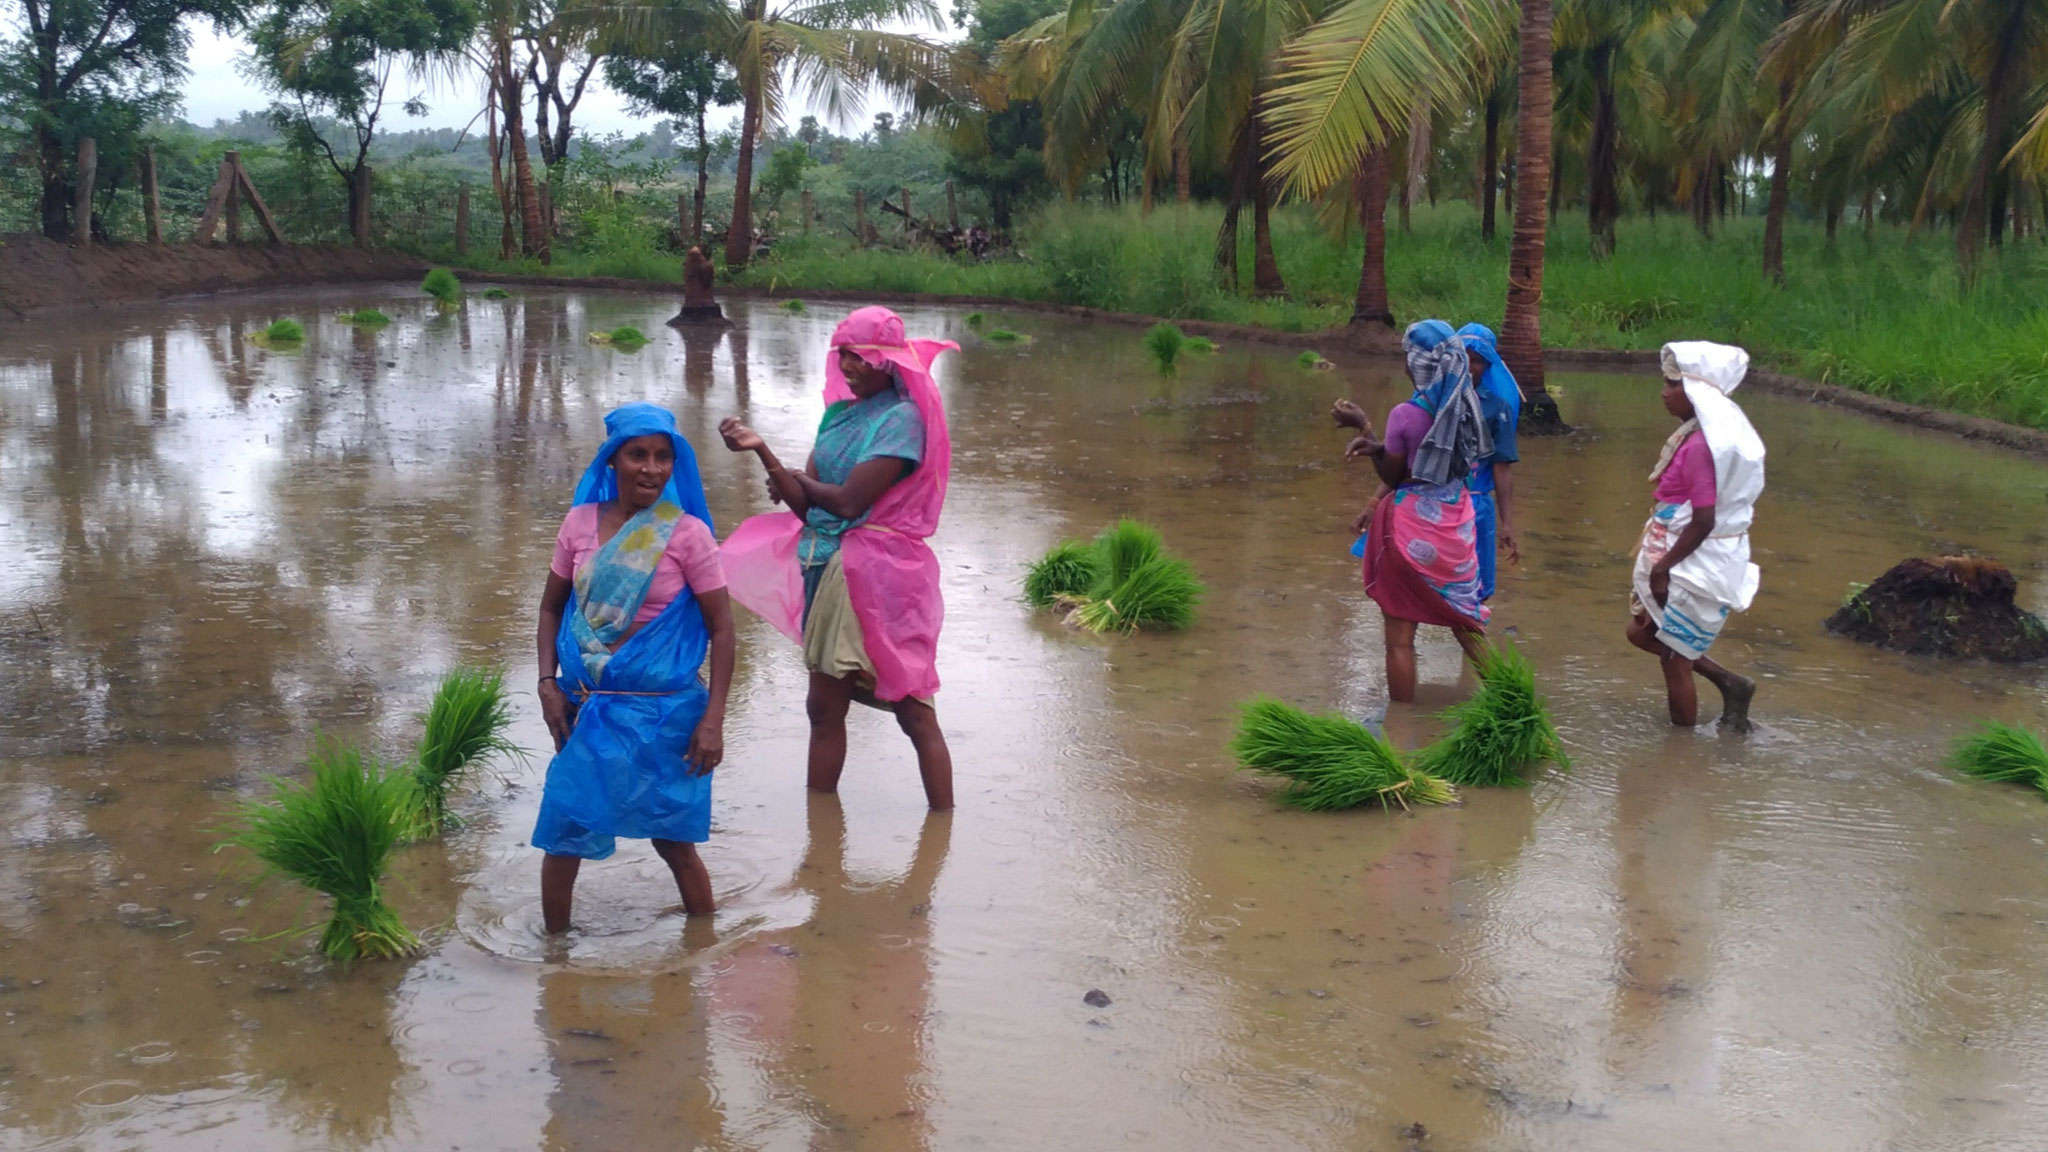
(1483,521)
(622,771)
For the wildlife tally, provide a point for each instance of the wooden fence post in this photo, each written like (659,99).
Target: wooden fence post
(860,216)
(81,205)
(232,162)
(152,204)
(360,226)
(952,208)
(808,212)
(462,220)
(242,183)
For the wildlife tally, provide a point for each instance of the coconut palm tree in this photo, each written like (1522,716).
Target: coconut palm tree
(1521,330)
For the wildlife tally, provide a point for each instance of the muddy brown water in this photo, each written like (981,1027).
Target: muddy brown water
(1812,938)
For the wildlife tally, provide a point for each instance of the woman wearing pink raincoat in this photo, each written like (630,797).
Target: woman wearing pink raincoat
(846,571)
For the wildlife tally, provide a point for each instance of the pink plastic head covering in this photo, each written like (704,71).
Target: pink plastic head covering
(911,506)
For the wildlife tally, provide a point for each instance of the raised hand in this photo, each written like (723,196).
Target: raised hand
(738,437)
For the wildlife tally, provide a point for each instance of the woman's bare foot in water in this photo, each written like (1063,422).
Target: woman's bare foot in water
(1735,703)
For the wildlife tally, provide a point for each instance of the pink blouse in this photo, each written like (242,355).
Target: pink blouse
(1690,478)
(691,558)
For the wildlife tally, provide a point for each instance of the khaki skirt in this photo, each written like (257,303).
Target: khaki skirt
(833,643)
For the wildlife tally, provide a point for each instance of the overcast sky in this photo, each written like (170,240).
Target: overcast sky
(217,90)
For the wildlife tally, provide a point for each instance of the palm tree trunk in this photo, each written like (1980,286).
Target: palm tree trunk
(1781,195)
(1183,174)
(1372,309)
(1243,174)
(1264,267)
(739,235)
(1603,198)
(1521,335)
(533,235)
(1490,157)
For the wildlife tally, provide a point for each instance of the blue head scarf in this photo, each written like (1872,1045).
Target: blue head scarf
(1497,385)
(685,486)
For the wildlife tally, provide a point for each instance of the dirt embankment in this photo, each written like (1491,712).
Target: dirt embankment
(36,273)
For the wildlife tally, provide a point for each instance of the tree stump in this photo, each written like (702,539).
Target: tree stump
(699,306)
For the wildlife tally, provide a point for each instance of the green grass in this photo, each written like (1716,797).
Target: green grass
(1068,571)
(2006,752)
(1328,763)
(334,833)
(1885,315)
(366,318)
(464,728)
(442,285)
(1499,734)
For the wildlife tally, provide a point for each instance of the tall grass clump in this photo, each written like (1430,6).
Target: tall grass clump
(1327,762)
(1165,342)
(1498,735)
(465,727)
(442,285)
(1066,572)
(334,833)
(2006,752)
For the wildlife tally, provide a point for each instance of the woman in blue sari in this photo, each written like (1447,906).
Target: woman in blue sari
(635,600)
(1492,480)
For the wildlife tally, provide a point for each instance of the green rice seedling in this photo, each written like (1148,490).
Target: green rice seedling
(976,319)
(1161,594)
(1001,336)
(1065,572)
(1498,735)
(282,332)
(1165,342)
(1125,546)
(496,293)
(625,338)
(465,727)
(334,833)
(2007,752)
(1328,763)
(1199,344)
(442,285)
(366,318)
(793,306)
(1310,358)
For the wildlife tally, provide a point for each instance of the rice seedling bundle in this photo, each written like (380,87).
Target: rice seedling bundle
(976,319)
(1122,581)
(1002,336)
(1498,735)
(1310,358)
(442,285)
(465,727)
(1065,572)
(366,317)
(334,833)
(2007,752)
(1328,763)
(496,293)
(1165,342)
(793,306)
(1198,344)
(284,332)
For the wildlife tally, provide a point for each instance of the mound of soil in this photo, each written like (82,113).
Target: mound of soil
(36,273)
(1958,606)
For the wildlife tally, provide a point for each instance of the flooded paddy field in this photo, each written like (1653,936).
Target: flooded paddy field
(1812,938)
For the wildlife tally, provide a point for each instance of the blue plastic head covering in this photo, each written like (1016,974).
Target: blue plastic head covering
(1437,363)
(685,485)
(1497,382)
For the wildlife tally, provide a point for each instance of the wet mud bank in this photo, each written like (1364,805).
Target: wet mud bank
(38,275)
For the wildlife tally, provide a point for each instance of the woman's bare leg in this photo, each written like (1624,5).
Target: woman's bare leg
(1475,645)
(1736,692)
(693,879)
(920,722)
(1679,691)
(1400,659)
(826,705)
(557,890)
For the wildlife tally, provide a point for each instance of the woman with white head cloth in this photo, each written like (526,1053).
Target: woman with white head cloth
(1692,567)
